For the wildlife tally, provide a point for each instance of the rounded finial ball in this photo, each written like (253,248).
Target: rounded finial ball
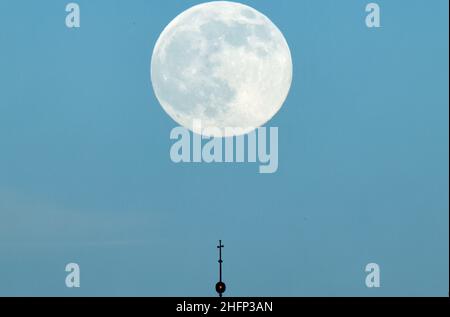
(220,287)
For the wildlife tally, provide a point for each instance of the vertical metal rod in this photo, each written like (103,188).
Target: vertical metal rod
(220,246)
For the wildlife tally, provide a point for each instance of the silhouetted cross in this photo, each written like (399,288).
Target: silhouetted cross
(220,246)
(220,286)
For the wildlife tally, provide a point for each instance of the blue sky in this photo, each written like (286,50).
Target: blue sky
(86,177)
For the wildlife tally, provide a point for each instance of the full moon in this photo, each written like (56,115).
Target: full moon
(224,64)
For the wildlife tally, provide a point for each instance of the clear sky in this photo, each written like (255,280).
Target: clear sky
(86,177)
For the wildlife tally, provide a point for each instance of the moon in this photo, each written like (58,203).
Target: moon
(223,63)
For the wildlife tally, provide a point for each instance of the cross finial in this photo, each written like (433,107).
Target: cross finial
(220,286)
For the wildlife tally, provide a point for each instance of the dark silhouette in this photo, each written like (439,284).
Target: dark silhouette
(220,286)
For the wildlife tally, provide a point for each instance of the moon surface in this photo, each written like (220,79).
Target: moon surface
(222,63)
